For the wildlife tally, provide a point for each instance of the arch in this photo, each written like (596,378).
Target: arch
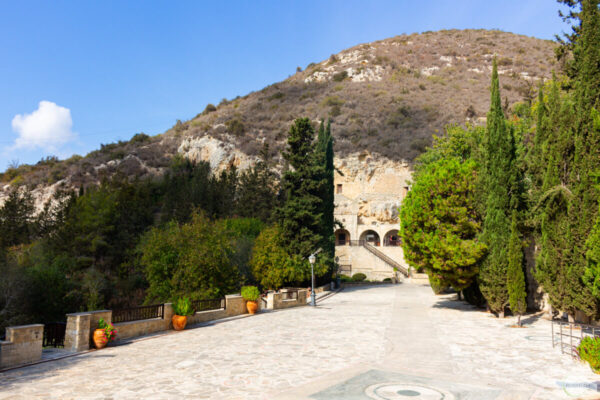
(392,238)
(371,237)
(342,237)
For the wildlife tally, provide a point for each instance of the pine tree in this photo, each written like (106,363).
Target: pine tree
(301,214)
(517,294)
(499,168)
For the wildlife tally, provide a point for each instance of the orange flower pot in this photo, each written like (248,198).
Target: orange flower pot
(179,322)
(100,339)
(252,306)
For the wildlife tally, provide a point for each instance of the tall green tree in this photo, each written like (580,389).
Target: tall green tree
(301,214)
(499,182)
(324,158)
(549,171)
(440,225)
(258,189)
(517,293)
(583,205)
(17,218)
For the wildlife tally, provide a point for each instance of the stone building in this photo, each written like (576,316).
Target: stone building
(368,193)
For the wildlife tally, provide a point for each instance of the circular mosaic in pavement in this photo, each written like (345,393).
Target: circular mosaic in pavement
(406,391)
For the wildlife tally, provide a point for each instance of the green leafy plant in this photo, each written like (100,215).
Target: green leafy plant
(589,350)
(359,277)
(183,307)
(345,278)
(109,330)
(250,293)
(387,280)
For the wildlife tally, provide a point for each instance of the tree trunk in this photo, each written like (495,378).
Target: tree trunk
(459,294)
(519,320)
(501,314)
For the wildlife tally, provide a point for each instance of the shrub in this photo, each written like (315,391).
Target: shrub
(272,266)
(359,277)
(109,330)
(340,76)
(589,350)
(250,293)
(209,108)
(183,307)
(139,138)
(387,280)
(235,127)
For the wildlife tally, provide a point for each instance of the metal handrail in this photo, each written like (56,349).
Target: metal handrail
(573,339)
(385,258)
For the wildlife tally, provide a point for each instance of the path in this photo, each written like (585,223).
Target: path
(385,342)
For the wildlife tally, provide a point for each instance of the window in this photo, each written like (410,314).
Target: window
(339,188)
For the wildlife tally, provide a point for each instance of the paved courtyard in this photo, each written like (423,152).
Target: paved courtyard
(382,342)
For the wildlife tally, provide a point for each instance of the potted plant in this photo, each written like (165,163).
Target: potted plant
(251,294)
(105,333)
(589,350)
(182,308)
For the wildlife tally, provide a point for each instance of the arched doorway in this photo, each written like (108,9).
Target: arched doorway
(342,237)
(392,238)
(370,237)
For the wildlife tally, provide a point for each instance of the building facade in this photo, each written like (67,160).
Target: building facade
(368,193)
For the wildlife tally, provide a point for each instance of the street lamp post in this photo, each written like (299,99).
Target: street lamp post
(313,300)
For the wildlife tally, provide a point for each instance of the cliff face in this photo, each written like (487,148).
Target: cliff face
(371,187)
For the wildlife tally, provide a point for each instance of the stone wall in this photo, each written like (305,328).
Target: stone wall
(23,345)
(276,301)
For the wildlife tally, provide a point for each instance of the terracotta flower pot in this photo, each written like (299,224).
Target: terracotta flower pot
(252,306)
(179,322)
(100,339)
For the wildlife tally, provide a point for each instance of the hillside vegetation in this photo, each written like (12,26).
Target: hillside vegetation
(388,97)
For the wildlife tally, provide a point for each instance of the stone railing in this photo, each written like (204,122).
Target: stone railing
(23,345)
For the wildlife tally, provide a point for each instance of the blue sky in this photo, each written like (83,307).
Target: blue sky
(74,74)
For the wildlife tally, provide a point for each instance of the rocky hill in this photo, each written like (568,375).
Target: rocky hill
(386,97)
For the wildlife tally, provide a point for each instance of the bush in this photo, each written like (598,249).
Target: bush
(345,278)
(139,138)
(250,293)
(589,350)
(359,277)
(188,260)
(235,127)
(340,76)
(387,280)
(183,306)
(271,264)
(209,108)
(437,285)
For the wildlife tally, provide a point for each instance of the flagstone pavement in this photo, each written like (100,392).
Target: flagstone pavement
(377,342)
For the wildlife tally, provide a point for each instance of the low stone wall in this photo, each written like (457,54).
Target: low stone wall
(81,326)
(277,301)
(23,345)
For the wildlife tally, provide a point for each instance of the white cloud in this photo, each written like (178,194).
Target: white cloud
(48,127)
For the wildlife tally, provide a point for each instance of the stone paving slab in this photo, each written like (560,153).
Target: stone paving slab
(396,341)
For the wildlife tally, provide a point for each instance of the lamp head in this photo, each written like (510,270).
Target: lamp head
(312,258)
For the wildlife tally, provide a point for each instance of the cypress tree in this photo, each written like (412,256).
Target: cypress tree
(499,165)
(552,199)
(324,149)
(583,208)
(517,294)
